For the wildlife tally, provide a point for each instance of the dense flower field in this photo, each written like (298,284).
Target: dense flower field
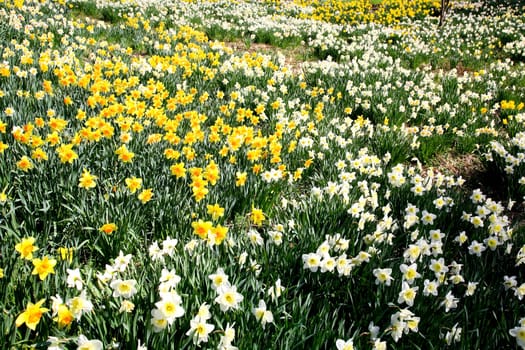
(352,178)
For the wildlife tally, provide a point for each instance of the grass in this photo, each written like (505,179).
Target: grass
(309,179)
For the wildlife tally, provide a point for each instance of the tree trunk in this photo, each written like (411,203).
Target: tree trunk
(442,13)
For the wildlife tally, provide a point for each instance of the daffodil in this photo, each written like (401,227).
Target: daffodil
(178,170)
(344,344)
(215,210)
(108,228)
(383,276)
(25,164)
(26,248)
(145,196)
(32,315)
(262,314)
(202,228)
(64,316)
(125,289)
(228,298)
(87,180)
(85,344)
(200,330)
(74,279)
(43,267)
(133,184)
(219,279)
(257,216)
(170,306)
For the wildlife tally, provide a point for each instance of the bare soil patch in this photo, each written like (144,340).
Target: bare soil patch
(292,56)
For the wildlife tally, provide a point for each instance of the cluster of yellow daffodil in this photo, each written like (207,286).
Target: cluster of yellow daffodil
(157,192)
(359,11)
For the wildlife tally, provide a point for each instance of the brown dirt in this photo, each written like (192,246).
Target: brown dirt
(468,166)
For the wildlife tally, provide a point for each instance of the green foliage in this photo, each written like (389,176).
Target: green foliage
(297,182)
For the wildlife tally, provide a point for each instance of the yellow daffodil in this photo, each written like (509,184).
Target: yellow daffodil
(133,184)
(146,195)
(32,315)
(43,267)
(108,228)
(87,180)
(64,316)
(257,216)
(26,248)
(24,164)
(216,211)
